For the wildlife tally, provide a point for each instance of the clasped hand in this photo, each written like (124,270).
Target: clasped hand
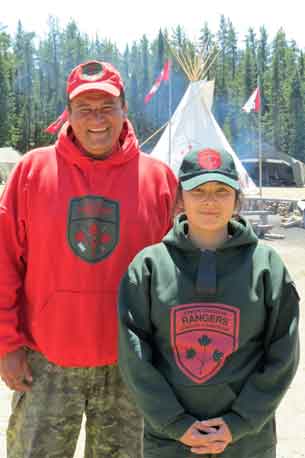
(209,436)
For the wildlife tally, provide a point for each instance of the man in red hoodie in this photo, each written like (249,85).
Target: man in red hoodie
(72,217)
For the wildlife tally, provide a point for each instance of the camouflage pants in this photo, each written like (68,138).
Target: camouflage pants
(46,421)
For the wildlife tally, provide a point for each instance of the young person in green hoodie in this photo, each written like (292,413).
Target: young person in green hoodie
(208,325)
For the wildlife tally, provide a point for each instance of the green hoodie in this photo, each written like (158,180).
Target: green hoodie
(189,352)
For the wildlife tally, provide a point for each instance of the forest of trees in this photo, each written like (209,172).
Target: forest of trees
(33,74)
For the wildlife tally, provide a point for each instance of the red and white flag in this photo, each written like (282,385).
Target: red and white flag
(253,103)
(164,76)
(56,125)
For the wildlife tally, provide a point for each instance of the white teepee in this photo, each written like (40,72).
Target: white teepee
(194,126)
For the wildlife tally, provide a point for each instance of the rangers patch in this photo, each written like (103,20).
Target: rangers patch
(209,159)
(203,335)
(93,227)
(92,71)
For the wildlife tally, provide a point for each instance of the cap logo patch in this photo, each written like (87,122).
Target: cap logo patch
(92,71)
(209,159)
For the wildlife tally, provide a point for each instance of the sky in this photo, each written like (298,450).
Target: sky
(126,21)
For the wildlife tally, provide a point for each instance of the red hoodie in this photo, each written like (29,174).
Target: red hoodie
(69,227)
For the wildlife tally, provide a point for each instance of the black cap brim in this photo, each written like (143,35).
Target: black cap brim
(195,181)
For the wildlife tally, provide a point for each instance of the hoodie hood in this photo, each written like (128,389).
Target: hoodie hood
(240,231)
(127,149)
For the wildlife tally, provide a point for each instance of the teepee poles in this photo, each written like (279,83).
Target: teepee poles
(195,62)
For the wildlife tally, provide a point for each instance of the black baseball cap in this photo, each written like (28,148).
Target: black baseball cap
(205,165)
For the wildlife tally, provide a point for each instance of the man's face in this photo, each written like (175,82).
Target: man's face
(97,119)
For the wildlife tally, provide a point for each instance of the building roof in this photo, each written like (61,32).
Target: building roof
(9,155)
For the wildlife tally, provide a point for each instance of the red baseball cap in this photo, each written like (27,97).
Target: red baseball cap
(94,76)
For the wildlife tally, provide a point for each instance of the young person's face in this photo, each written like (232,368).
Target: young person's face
(210,206)
(97,119)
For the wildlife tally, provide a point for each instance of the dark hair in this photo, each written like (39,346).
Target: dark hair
(177,208)
(121,96)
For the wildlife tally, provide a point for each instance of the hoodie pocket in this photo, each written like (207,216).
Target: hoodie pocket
(75,327)
(206,401)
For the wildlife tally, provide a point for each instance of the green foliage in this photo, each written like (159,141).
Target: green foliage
(296,119)
(4,88)
(33,77)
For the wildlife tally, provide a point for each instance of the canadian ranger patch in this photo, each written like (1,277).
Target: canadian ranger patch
(93,227)
(203,335)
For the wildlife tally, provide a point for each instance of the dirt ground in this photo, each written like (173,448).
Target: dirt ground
(283,193)
(291,414)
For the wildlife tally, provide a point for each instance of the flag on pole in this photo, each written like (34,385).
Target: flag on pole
(253,103)
(164,76)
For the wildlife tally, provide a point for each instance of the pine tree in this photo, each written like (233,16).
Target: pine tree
(279,94)
(4,90)
(297,119)
(221,91)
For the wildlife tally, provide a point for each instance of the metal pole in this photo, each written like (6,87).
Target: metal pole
(260,157)
(169,118)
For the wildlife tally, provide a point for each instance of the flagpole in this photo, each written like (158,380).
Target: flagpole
(169,119)
(260,156)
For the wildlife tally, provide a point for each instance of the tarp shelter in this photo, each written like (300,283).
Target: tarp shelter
(8,158)
(279,169)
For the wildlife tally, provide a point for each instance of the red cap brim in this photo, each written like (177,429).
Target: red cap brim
(97,86)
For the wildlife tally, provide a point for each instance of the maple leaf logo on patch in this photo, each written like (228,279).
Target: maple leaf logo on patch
(217,355)
(93,227)
(209,159)
(203,336)
(190,353)
(204,341)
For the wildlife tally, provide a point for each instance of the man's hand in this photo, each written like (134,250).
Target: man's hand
(15,370)
(216,440)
